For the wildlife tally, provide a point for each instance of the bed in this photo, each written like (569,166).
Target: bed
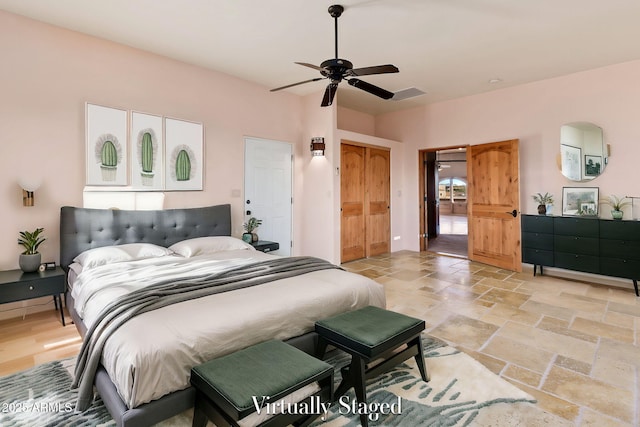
(144,380)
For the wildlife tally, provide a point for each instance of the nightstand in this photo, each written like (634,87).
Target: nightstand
(266,246)
(15,285)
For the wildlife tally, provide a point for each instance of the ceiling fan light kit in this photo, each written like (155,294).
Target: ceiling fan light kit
(337,69)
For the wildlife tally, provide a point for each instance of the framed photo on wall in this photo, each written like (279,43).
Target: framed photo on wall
(184,155)
(580,201)
(147,152)
(106,145)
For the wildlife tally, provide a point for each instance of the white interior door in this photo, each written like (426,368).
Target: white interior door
(268,189)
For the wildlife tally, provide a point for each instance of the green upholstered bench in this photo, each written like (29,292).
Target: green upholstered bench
(229,388)
(377,340)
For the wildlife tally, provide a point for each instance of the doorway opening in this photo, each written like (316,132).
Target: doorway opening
(444,221)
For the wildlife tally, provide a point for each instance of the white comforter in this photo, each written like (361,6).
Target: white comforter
(152,354)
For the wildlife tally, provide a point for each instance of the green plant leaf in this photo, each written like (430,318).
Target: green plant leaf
(31,240)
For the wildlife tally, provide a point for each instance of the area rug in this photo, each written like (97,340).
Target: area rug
(462,392)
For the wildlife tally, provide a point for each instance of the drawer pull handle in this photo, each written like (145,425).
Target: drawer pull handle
(30,288)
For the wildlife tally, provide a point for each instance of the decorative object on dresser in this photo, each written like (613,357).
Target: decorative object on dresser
(580,201)
(635,207)
(249,229)
(30,259)
(16,285)
(617,204)
(591,245)
(544,202)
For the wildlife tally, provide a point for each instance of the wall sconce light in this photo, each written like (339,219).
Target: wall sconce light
(317,146)
(29,186)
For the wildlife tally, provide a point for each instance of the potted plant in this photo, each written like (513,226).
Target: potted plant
(544,201)
(616,203)
(30,259)
(249,227)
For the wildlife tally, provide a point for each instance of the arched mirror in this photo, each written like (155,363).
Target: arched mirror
(583,153)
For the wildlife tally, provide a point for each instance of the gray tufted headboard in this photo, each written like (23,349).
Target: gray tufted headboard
(82,229)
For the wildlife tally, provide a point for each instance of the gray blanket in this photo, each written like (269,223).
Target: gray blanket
(171,292)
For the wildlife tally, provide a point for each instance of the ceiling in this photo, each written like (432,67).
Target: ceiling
(446,48)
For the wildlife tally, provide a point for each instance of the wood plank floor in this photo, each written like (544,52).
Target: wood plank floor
(37,339)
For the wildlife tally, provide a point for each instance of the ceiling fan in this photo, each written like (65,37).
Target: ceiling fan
(338,69)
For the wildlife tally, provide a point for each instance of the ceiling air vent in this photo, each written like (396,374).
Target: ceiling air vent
(411,92)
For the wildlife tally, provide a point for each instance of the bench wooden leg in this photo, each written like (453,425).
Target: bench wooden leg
(359,381)
(199,417)
(424,373)
(321,348)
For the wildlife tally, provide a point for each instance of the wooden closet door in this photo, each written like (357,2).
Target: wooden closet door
(352,189)
(377,195)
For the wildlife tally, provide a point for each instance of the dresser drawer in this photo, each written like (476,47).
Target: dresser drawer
(627,268)
(620,230)
(576,245)
(27,289)
(537,240)
(537,224)
(572,261)
(537,256)
(628,249)
(585,227)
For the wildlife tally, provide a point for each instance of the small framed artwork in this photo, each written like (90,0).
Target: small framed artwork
(147,162)
(184,156)
(592,165)
(580,201)
(571,159)
(106,145)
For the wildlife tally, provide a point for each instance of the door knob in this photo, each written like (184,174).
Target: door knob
(513,213)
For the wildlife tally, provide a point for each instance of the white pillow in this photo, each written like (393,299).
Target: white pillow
(128,252)
(208,245)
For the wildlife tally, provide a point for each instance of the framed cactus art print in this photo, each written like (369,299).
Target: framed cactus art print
(184,166)
(106,139)
(147,157)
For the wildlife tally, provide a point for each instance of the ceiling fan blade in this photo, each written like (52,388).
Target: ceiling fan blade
(315,67)
(378,69)
(329,94)
(299,83)
(372,89)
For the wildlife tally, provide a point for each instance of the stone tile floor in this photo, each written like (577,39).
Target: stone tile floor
(574,346)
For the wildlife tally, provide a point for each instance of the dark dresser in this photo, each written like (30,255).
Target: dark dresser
(591,245)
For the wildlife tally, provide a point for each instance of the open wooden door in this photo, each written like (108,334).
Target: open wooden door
(494,204)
